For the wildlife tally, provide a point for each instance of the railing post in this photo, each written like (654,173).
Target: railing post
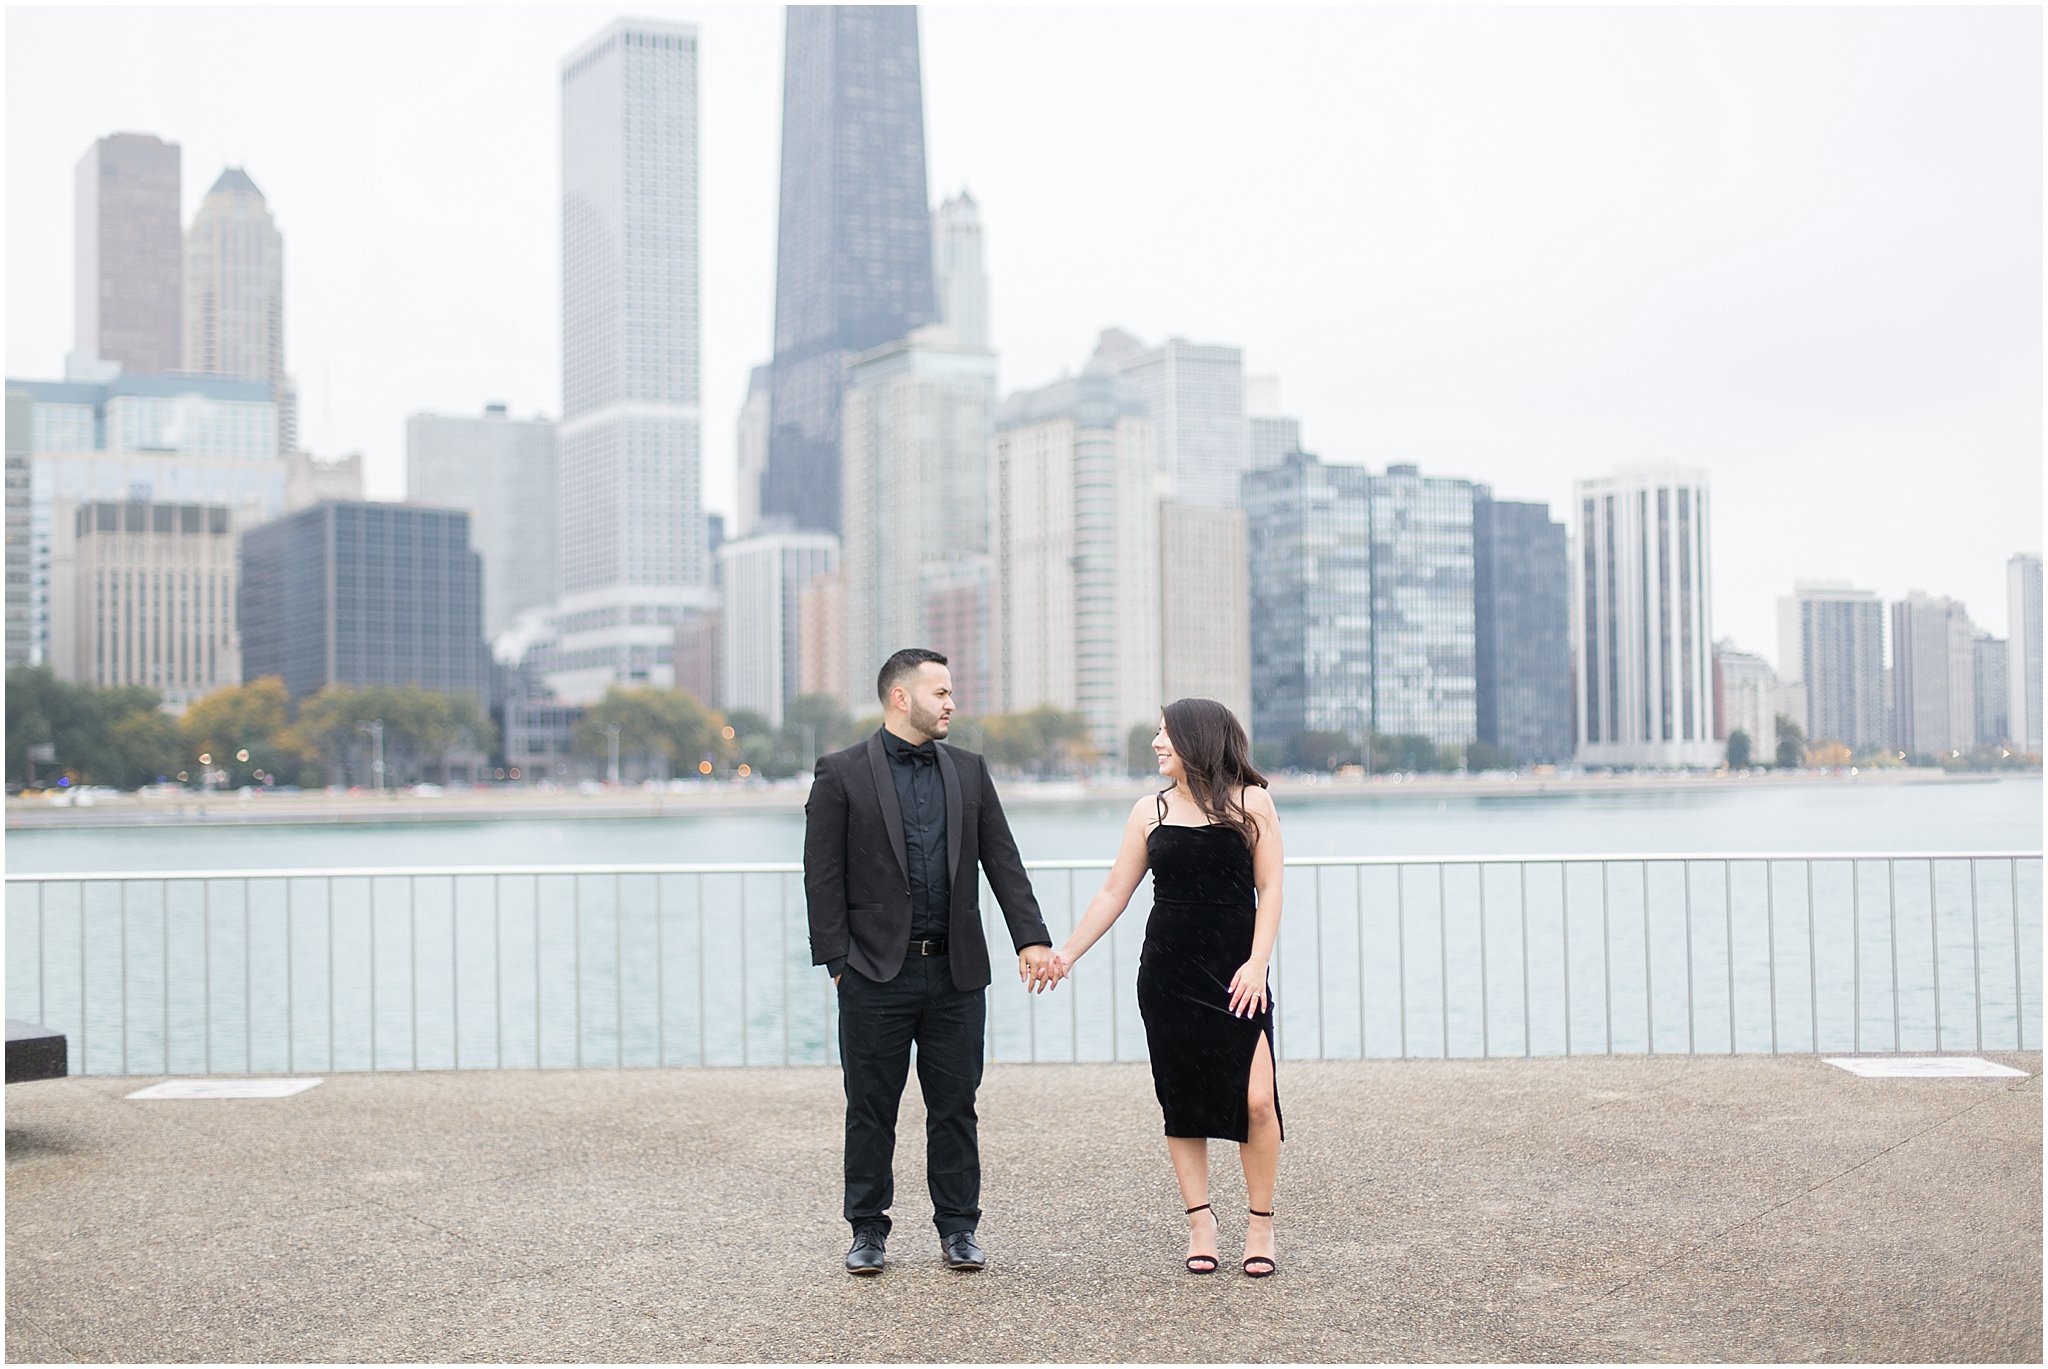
(1649,1005)
(1934,948)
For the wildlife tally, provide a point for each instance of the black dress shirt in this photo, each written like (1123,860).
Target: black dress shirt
(922,796)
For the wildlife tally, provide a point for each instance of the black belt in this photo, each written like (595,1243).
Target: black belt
(933,947)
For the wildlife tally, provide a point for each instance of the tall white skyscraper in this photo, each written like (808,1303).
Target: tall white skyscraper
(632,531)
(1273,434)
(1077,555)
(1194,393)
(914,434)
(234,294)
(2023,650)
(764,579)
(1934,676)
(1642,620)
(957,269)
(752,449)
(1831,664)
(1205,634)
(502,470)
(129,254)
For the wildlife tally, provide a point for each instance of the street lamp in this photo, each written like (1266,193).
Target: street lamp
(611,737)
(374,729)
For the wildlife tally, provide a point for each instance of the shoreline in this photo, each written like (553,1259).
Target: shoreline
(722,799)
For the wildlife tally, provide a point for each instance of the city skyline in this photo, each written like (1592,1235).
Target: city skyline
(1811,252)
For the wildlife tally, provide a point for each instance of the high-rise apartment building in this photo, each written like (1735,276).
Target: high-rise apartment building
(1077,555)
(234,295)
(1424,652)
(1988,688)
(2023,650)
(960,279)
(1311,600)
(1642,619)
(631,539)
(1934,676)
(1746,693)
(1522,647)
(1831,664)
(130,254)
(155,597)
(1205,633)
(1194,393)
(853,263)
(752,452)
(502,471)
(915,489)
(364,594)
(20,520)
(764,580)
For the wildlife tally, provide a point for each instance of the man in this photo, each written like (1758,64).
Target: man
(894,829)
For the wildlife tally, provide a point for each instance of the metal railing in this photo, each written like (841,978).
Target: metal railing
(204,972)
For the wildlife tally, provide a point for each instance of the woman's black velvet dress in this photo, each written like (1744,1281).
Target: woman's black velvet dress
(1204,905)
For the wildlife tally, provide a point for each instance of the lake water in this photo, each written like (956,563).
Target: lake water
(1434,958)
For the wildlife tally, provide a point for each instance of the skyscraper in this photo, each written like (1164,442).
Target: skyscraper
(1423,616)
(1831,664)
(632,533)
(918,414)
(2023,650)
(762,651)
(1076,552)
(854,249)
(20,454)
(1641,619)
(752,450)
(1988,681)
(1746,692)
(959,276)
(1311,600)
(155,596)
(1934,676)
(1523,648)
(1195,395)
(363,594)
(130,254)
(234,294)
(502,470)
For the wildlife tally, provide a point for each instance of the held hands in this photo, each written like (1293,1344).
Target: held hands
(1038,969)
(1248,989)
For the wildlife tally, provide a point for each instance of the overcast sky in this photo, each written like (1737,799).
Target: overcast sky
(1799,247)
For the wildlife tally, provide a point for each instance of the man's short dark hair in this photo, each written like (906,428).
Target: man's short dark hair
(904,662)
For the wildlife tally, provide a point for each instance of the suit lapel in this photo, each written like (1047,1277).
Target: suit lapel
(892,809)
(950,773)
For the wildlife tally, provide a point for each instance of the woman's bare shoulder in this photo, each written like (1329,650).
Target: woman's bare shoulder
(1259,800)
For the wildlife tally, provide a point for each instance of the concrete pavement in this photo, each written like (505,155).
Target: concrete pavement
(1658,1209)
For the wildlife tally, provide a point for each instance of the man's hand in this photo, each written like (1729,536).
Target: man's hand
(1034,968)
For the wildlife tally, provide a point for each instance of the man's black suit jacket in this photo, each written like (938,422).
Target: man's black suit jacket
(857,876)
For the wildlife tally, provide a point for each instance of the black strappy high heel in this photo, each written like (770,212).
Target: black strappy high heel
(1250,1260)
(1201,1264)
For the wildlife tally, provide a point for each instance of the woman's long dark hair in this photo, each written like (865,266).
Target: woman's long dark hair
(1217,756)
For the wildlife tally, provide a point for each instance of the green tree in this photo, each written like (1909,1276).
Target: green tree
(1319,751)
(100,736)
(1482,756)
(1738,750)
(666,728)
(1409,752)
(1044,741)
(421,726)
(252,717)
(1791,742)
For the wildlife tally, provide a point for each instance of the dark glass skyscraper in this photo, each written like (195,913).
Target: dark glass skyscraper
(854,259)
(1522,599)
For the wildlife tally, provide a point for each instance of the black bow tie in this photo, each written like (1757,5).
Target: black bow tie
(920,755)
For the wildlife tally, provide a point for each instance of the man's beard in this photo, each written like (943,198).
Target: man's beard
(927,722)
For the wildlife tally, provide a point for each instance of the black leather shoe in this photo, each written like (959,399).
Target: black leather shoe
(865,1258)
(961,1252)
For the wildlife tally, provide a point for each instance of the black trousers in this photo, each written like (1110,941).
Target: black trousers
(878,1024)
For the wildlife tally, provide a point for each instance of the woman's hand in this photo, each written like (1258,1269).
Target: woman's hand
(1248,989)
(1061,966)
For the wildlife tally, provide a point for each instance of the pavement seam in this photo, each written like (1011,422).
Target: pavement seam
(1758,1216)
(46,1334)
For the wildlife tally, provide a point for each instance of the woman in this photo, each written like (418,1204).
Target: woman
(1212,842)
